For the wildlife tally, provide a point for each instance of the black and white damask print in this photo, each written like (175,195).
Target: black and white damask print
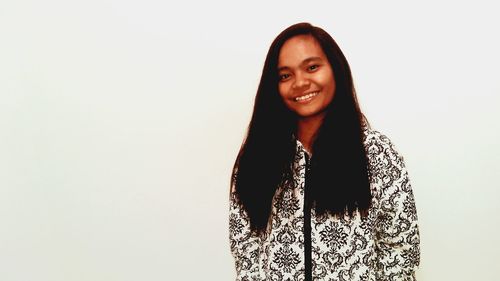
(384,246)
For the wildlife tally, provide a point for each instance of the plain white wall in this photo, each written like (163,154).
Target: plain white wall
(120,122)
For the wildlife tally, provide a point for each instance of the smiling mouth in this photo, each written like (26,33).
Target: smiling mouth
(307,97)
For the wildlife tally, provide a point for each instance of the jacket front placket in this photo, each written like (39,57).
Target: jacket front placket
(307,222)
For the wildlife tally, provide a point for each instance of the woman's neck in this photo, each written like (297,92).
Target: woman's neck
(307,129)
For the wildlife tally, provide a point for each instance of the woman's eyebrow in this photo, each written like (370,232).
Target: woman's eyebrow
(306,61)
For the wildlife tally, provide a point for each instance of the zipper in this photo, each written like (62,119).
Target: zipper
(307,225)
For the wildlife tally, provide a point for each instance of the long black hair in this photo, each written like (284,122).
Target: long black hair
(339,179)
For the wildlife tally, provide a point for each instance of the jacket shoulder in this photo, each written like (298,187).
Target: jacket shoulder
(381,153)
(376,142)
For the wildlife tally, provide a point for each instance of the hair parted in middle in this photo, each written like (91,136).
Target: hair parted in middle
(339,179)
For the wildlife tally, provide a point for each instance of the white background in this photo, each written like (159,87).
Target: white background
(120,122)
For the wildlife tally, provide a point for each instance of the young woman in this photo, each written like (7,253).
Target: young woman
(316,194)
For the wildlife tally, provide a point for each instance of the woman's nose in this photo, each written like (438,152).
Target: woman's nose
(301,82)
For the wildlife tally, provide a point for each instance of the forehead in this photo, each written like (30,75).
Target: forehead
(298,48)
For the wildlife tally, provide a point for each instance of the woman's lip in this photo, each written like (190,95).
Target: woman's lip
(307,99)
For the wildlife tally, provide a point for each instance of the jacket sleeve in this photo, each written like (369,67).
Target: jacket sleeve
(397,240)
(245,246)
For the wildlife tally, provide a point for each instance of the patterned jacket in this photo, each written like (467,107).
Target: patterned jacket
(382,246)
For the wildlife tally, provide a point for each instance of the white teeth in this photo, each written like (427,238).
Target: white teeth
(305,97)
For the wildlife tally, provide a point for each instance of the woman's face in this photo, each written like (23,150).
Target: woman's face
(306,81)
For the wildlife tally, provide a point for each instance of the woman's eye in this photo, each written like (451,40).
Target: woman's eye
(313,67)
(284,76)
